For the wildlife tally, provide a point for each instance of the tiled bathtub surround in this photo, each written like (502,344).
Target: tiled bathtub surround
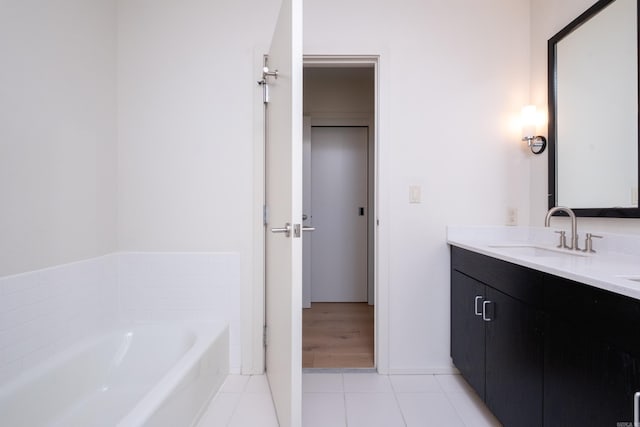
(182,287)
(43,311)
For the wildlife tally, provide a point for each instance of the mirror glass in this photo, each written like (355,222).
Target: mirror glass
(593,112)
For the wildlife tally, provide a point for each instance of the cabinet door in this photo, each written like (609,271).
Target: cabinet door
(514,361)
(588,382)
(467,330)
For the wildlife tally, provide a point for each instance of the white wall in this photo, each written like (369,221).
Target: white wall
(186,83)
(452,76)
(547,18)
(185,105)
(57,132)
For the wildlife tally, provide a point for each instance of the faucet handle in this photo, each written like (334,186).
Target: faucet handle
(563,239)
(588,243)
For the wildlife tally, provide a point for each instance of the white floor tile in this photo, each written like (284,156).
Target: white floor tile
(235,384)
(453,384)
(428,410)
(415,384)
(254,410)
(363,383)
(322,383)
(472,410)
(354,400)
(323,410)
(373,410)
(220,410)
(257,384)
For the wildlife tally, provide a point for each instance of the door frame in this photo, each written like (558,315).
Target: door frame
(253,299)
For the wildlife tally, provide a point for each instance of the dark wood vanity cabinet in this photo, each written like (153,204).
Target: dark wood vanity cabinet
(514,359)
(588,382)
(592,355)
(496,339)
(549,351)
(468,354)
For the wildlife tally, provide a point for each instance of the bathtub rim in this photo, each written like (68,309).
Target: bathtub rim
(207,334)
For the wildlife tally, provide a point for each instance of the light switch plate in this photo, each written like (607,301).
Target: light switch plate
(415,194)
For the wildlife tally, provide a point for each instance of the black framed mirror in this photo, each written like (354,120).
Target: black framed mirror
(593,112)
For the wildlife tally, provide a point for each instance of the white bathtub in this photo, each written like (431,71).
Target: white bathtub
(151,375)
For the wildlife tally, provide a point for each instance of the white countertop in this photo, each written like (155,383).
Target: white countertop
(616,261)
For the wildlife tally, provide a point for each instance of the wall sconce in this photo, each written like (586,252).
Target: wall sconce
(530,121)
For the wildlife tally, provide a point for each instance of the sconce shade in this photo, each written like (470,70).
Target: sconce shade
(529,120)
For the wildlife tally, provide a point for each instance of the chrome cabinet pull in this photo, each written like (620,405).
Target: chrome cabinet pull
(484,311)
(477,310)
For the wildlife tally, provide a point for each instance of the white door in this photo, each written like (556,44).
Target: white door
(306,211)
(283,264)
(339,176)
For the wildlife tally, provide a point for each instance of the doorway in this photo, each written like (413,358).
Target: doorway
(338,201)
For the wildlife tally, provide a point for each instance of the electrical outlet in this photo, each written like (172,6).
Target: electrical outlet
(512,216)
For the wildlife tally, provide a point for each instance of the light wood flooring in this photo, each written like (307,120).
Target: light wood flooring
(337,335)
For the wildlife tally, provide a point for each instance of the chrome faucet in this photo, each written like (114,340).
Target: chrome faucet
(574,225)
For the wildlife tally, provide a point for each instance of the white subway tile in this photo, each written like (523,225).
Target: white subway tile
(49,326)
(19,282)
(39,355)
(22,348)
(9,370)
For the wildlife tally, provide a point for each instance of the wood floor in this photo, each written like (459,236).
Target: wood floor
(337,335)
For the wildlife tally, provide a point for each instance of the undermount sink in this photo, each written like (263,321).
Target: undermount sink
(530,250)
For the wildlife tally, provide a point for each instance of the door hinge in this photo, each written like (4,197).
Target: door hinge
(265,90)
(265,84)
(264,336)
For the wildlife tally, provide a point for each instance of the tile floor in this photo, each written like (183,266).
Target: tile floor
(354,400)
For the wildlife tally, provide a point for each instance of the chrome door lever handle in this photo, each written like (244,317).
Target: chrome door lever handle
(286,230)
(308,229)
